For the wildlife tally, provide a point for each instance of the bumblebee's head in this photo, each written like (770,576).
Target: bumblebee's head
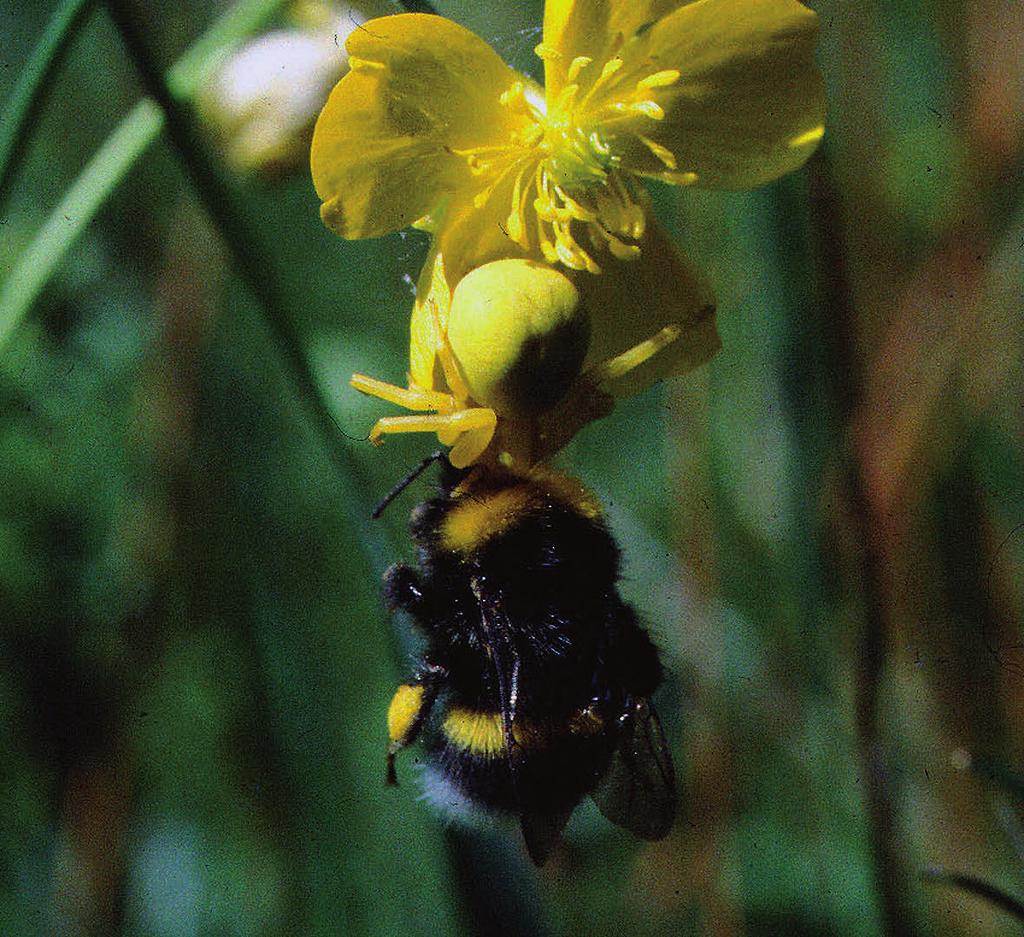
(519,335)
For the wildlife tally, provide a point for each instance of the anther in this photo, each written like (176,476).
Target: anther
(578,64)
(662,153)
(364,65)
(610,68)
(566,98)
(513,93)
(598,145)
(662,79)
(648,109)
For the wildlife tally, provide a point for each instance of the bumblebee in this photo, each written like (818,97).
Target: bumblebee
(534,687)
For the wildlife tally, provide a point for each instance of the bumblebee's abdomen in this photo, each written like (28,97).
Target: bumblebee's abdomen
(555,764)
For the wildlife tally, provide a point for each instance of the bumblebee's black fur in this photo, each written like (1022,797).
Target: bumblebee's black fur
(524,620)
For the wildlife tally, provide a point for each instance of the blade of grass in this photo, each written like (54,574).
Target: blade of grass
(104,172)
(978,887)
(73,212)
(253,263)
(251,259)
(33,85)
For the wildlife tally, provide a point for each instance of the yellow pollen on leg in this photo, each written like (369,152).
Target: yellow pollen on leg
(406,706)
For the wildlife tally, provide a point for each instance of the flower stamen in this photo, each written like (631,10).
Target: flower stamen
(546,53)
(662,79)
(576,185)
(649,109)
(578,64)
(662,153)
(608,69)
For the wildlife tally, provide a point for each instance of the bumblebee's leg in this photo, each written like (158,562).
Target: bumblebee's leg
(403,590)
(541,831)
(409,709)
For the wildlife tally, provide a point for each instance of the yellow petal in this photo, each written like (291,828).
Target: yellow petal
(471,236)
(592,28)
(749,105)
(420,87)
(631,301)
(429,323)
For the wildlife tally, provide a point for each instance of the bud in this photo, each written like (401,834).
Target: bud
(519,335)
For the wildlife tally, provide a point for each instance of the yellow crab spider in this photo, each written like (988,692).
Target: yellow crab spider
(510,344)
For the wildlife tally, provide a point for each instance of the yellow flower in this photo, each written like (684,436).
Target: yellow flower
(509,367)
(432,126)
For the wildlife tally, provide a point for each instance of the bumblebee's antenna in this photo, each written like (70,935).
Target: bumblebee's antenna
(407,481)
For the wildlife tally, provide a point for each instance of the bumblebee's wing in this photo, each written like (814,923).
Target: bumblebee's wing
(639,792)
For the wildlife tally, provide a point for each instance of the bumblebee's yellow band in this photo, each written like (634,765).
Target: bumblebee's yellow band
(483,733)
(482,514)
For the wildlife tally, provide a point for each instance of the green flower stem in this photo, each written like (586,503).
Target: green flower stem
(249,255)
(102,174)
(34,84)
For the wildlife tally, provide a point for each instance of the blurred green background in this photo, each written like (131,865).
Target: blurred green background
(824,528)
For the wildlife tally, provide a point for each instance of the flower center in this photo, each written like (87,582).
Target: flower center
(563,163)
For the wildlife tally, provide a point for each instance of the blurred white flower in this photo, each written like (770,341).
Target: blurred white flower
(261,104)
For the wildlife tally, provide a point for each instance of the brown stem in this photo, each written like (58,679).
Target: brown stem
(844,386)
